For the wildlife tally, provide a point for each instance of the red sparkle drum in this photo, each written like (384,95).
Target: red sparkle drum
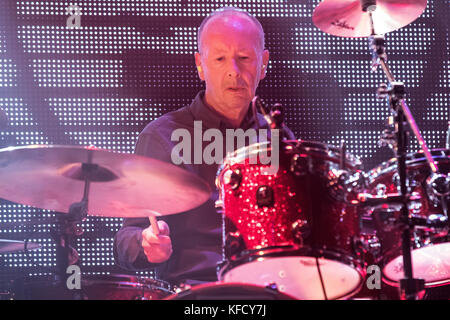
(293,229)
(431,248)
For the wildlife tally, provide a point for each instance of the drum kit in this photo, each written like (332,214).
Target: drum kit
(296,234)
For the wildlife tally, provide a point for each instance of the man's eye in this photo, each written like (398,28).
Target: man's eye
(243,58)
(219,59)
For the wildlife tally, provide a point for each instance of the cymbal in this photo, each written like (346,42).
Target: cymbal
(345,18)
(123,185)
(10,246)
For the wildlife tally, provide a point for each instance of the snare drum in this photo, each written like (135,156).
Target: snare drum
(93,287)
(124,287)
(431,248)
(293,229)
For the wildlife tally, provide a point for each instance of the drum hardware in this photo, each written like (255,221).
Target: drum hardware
(409,286)
(344,186)
(430,240)
(274,116)
(264,196)
(438,188)
(300,162)
(369,200)
(11,246)
(367,243)
(370,18)
(50,177)
(233,178)
(300,230)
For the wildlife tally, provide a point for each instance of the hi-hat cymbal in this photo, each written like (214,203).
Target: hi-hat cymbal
(11,246)
(123,185)
(346,18)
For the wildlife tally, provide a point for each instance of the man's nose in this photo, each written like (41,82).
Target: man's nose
(233,68)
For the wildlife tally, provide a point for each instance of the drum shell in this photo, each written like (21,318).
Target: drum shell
(303,211)
(384,179)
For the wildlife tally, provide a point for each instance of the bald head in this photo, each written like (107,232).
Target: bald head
(235,18)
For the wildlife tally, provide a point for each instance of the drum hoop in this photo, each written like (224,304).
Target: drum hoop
(385,259)
(220,284)
(128,281)
(411,162)
(318,148)
(324,151)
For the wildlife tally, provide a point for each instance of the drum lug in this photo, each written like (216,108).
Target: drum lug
(233,243)
(300,231)
(368,243)
(272,287)
(264,196)
(233,178)
(438,189)
(341,184)
(300,165)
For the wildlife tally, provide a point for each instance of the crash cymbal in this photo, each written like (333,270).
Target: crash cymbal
(123,185)
(11,246)
(346,18)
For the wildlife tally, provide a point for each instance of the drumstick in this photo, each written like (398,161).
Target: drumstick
(154,224)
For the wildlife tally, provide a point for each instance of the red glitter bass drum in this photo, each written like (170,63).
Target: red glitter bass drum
(293,229)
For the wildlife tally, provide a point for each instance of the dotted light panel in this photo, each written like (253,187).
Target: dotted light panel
(131,61)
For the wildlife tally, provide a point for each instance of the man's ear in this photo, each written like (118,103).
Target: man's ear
(265,59)
(198,63)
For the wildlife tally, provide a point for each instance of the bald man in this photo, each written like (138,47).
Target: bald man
(231,60)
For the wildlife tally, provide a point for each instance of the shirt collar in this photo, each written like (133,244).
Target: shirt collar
(212,119)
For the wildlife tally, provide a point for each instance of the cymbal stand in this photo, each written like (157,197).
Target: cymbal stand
(68,227)
(395,92)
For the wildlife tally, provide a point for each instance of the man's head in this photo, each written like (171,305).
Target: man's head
(231,59)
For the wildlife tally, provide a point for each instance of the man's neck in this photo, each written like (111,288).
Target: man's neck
(233,116)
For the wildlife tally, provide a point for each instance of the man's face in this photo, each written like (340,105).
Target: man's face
(231,62)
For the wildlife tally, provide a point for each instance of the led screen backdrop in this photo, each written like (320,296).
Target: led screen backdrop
(130,61)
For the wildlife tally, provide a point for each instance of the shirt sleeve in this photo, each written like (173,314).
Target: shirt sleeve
(128,251)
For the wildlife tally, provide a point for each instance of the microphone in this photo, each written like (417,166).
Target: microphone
(260,105)
(274,117)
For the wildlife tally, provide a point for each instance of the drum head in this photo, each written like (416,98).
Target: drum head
(299,276)
(431,263)
(229,291)
(93,287)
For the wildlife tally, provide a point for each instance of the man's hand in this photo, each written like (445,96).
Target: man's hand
(156,241)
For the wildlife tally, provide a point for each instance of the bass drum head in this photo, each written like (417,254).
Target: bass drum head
(229,291)
(431,263)
(299,276)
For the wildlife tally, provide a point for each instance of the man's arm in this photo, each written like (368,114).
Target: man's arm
(128,250)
